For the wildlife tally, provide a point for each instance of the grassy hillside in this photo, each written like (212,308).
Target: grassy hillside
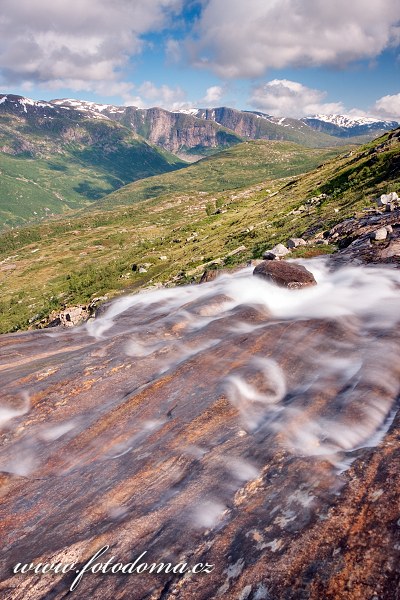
(42,267)
(64,166)
(240,166)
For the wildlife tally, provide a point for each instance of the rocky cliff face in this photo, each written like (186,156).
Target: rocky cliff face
(246,125)
(176,132)
(199,131)
(257,125)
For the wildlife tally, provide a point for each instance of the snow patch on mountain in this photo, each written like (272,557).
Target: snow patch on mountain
(187,111)
(260,115)
(24,102)
(348,122)
(87,106)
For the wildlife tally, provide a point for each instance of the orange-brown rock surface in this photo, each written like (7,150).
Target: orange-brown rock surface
(234,423)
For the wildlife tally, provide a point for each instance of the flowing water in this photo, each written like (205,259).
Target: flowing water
(175,403)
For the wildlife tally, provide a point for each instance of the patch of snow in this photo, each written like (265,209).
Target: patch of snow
(187,111)
(86,106)
(260,115)
(347,121)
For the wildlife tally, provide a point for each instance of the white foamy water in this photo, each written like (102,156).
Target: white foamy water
(360,373)
(324,383)
(368,293)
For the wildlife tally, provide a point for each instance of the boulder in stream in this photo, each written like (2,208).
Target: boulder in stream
(285,274)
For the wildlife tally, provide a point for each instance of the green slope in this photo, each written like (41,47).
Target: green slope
(61,262)
(244,164)
(65,166)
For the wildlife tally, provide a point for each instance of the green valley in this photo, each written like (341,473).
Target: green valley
(175,236)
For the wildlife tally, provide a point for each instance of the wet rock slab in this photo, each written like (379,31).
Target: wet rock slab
(194,424)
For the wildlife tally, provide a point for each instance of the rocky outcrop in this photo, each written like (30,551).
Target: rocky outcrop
(72,316)
(374,239)
(285,274)
(379,234)
(388,200)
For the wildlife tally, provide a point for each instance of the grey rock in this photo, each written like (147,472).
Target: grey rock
(296,242)
(75,315)
(380,234)
(386,199)
(277,251)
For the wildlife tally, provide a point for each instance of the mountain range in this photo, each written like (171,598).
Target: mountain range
(184,131)
(197,131)
(66,154)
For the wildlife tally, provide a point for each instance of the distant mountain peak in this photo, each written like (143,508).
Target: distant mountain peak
(350,121)
(87,106)
(349,126)
(21,101)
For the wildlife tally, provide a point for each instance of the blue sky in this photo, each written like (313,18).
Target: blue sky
(284,57)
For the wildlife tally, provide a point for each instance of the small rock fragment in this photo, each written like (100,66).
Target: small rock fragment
(295,242)
(379,234)
(277,251)
(209,275)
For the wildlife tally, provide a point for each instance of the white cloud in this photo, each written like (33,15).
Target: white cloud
(213,94)
(163,96)
(75,43)
(171,98)
(388,106)
(282,97)
(244,39)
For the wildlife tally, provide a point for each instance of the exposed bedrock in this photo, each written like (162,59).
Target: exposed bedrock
(236,423)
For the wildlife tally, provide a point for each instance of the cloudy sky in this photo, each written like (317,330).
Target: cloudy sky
(283,57)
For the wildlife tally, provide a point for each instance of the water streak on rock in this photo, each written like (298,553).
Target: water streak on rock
(236,422)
